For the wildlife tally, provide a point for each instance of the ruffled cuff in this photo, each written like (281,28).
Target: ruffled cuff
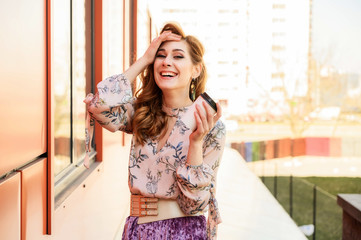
(194,178)
(115,90)
(111,106)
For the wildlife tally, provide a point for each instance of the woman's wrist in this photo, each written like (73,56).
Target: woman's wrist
(195,144)
(195,154)
(143,62)
(146,60)
(136,68)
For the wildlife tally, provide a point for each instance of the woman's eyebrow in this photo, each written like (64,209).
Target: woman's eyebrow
(174,50)
(178,50)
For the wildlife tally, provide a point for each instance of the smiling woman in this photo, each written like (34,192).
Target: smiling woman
(182,58)
(172,168)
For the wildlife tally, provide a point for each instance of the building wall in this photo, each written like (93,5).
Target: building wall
(93,203)
(23,122)
(97,208)
(23,83)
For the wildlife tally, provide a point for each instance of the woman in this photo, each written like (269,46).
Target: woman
(172,169)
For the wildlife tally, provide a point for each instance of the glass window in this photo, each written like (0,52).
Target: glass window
(81,72)
(72,79)
(62,85)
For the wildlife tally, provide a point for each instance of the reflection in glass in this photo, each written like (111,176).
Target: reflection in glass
(62,89)
(81,62)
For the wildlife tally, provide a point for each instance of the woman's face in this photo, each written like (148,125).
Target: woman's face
(173,67)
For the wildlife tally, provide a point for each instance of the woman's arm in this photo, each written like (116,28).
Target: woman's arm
(197,182)
(136,68)
(111,106)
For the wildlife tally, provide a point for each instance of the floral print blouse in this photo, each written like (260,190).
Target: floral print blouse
(164,173)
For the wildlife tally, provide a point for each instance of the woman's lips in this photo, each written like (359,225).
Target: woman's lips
(168,74)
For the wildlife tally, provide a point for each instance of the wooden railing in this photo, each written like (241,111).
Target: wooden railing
(351,217)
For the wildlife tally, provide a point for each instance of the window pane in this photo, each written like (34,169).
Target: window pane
(81,29)
(113,40)
(61,75)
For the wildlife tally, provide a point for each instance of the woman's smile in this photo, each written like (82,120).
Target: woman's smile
(168,75)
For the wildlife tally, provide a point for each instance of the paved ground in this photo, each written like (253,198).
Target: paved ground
(249,211)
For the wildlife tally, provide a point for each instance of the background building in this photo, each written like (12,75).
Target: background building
(256,53)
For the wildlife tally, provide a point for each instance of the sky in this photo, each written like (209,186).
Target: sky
(337,33)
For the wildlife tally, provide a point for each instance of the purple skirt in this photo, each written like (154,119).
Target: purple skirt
(184,228)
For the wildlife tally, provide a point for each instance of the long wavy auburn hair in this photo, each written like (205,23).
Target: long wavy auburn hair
(150,120)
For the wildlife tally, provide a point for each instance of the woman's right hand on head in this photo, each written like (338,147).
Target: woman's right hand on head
(148,58)
(149,55)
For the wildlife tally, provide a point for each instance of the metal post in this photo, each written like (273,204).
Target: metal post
(291,195)
(263,172)
(275,187)
(314,210)
(275,182)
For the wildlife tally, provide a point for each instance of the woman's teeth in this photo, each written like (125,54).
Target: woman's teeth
(168,74)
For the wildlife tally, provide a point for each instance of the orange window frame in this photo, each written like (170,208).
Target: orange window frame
(98,56)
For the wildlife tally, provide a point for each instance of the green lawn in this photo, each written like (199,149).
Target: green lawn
(337,185)
(328,213)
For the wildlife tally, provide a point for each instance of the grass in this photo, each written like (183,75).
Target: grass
(337,185)
(328,213)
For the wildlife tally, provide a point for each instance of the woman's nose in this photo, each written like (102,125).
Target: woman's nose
(167,61)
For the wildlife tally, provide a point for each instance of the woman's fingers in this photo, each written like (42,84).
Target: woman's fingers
(203,117)
(209,119)
(168,36)
(219,112)
(199,124)
(88,98)
(173,37)
(155,44)
(165,36)
(210,114)
(205,121)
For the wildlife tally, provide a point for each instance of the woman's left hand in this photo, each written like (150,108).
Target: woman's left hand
(205,122)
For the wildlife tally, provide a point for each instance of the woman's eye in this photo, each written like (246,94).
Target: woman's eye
(178,57)
(160,56)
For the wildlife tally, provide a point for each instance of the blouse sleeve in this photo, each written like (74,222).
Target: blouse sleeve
(197,183)
(112,106)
